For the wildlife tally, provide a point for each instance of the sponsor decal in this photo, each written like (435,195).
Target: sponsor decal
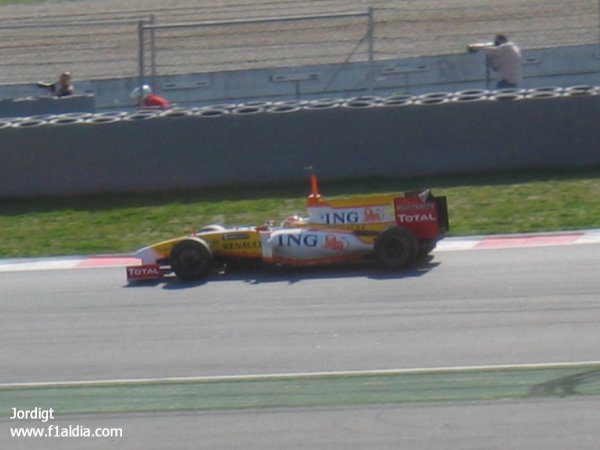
(236,236)
(408,218)
(310,240)
(368,214)
(147,272)
(373,215)
(351,226)
(340,217)
(414,206)
(332,242)
(297,240)
(235,246)
(421,218)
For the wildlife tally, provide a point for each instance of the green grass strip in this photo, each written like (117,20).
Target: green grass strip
(483,204)
(306,391)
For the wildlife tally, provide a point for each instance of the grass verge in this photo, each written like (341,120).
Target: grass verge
(309,390)
(482,204)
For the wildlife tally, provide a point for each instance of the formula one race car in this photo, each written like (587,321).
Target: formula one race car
(391,229)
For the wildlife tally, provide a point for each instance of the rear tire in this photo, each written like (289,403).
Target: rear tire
(426,247)
(396,248)
(191,259)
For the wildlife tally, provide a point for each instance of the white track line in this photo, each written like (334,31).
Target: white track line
(27,264)
(589,237)
(456,244)
(471,242)
(285,376)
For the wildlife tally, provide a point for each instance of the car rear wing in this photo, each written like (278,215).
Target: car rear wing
(442,208)
(423,213)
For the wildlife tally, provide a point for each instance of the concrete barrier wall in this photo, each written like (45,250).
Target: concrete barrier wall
(31,106)
(397,137)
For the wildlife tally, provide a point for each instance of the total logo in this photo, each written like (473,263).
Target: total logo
(149,271)
(409,218)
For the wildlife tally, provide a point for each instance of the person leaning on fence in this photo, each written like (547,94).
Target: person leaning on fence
(147,99)
(505,58)
(61,88)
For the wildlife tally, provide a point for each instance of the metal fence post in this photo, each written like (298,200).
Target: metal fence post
(140,58)
(371,50)
(152,53)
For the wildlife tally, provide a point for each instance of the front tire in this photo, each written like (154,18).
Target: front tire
(397,248)
(191,259)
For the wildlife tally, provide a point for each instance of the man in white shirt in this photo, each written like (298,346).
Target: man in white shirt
(505,59)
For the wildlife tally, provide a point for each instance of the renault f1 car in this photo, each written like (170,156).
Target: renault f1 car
(395,230)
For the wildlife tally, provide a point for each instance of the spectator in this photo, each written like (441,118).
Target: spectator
(505,59)
(62,87)
(147,99)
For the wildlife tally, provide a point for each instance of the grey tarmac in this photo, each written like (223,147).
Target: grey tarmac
(511,306)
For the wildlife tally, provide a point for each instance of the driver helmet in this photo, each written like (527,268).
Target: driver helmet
(145,90)
(293,221)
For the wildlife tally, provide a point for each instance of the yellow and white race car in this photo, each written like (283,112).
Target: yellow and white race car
(394,230)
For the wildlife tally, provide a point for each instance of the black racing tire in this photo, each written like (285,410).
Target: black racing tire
(426,247)
(191,259)
(396,248)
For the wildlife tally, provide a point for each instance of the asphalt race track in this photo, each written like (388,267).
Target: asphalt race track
(462,308)
(534,305)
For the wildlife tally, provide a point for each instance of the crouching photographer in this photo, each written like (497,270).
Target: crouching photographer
(61,88)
